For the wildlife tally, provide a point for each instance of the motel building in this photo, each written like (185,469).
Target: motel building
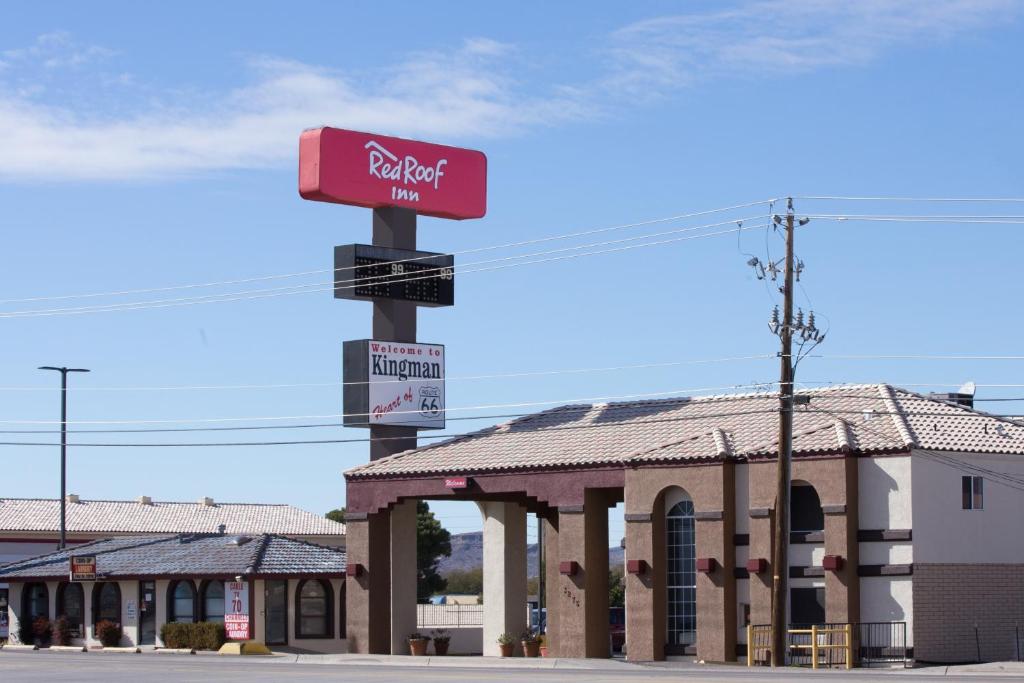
(906,520)
(269,588)
(29,527)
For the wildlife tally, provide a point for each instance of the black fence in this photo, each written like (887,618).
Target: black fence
(881,642)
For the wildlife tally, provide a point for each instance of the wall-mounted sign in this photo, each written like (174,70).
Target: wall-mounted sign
(83,567)
(374,171)
(366,273)
(456,482)
(236,610)
(393,383)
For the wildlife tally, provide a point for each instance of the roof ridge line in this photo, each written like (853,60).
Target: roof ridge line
(896,415)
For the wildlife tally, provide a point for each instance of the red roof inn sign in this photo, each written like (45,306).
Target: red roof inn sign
(374,171)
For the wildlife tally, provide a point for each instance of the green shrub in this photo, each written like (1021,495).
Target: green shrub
(108,633)
(204,635)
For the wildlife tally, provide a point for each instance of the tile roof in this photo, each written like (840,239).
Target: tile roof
(197,555)
(125,516)
(872,418)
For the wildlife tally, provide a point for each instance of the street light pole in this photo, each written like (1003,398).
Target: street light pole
(63,446)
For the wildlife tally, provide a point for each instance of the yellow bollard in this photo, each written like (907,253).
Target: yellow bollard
(848,628)
(750,645)
(814,646)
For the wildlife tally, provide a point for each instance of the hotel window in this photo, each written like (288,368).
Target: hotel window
(213,601)
(806,514)
(682,575)
(314,614)
(71,606)
(182,603)
(973,493)
(35,601)
(106,603)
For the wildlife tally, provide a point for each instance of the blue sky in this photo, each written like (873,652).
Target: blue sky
(151,147)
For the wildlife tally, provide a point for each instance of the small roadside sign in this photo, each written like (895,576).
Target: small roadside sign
(83,567)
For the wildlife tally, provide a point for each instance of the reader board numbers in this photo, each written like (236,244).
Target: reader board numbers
(368,273)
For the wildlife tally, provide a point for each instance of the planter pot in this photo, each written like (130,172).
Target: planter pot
(440,647)
(543,650)
(418,648)
(531,648)
(506,650)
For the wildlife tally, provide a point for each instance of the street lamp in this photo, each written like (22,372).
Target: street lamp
(63,445)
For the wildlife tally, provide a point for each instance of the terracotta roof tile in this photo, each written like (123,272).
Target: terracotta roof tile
(870,418)
(123,516)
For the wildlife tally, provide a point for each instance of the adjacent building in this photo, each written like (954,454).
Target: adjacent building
(906,513)
(266,587)
(30,526)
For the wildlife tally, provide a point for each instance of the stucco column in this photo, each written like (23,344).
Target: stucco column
(368,596)
(504,572)
(551,582)
(761,493)
(583,595)
(842,588)
(14,611)
(645,591)
(403,575)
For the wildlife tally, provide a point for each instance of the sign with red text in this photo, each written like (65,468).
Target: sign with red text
(375,171)
(236,610)
(456,483)
(83,567)
(393,383)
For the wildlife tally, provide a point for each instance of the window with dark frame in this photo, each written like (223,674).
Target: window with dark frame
(71,606)
(805,509)
(106,602)
(314,611)
(972,491)
(213,601)
(182,602)
(807,606)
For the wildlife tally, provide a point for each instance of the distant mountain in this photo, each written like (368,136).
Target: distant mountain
(468,553)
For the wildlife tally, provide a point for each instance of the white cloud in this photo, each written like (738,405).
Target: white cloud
(784,36)
(454,96)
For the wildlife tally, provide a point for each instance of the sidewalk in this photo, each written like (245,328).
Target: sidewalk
(451,662)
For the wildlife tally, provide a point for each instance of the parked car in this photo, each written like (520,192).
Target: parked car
(617,627)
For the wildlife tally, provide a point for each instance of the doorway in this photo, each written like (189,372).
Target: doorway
(147,613)
(275,596)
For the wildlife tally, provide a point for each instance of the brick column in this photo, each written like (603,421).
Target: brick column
(716,590)
(583,596)
(368,596)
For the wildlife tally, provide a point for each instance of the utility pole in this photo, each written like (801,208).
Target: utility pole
(63,447)
(780,554)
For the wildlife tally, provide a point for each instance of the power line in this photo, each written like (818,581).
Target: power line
(537,373)
(509,245)
(678,392)
(1017,220)
(304,289)
(919,199)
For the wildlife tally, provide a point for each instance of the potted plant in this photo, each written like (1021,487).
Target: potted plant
(418,644)
(506,641)
(108,633)
(42,631)
(543,645)
(531,644)
(441,638)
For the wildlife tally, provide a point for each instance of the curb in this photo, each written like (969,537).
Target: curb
(175,651)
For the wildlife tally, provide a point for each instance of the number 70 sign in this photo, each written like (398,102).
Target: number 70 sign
(236,610)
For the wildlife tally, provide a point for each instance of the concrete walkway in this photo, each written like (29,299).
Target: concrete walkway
(458,662)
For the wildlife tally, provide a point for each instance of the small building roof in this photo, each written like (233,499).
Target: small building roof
(860,418)
(146,516)
(188,555)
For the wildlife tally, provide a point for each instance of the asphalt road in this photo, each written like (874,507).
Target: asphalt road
(18,667)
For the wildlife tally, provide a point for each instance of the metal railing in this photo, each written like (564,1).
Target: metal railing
(428,616)
(833,645)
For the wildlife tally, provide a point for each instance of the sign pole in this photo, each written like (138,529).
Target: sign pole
(393,320)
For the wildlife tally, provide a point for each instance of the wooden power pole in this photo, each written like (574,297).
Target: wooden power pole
(780,554)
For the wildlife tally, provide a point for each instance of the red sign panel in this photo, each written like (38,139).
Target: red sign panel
(83,567)
(456,482)
(374,171)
